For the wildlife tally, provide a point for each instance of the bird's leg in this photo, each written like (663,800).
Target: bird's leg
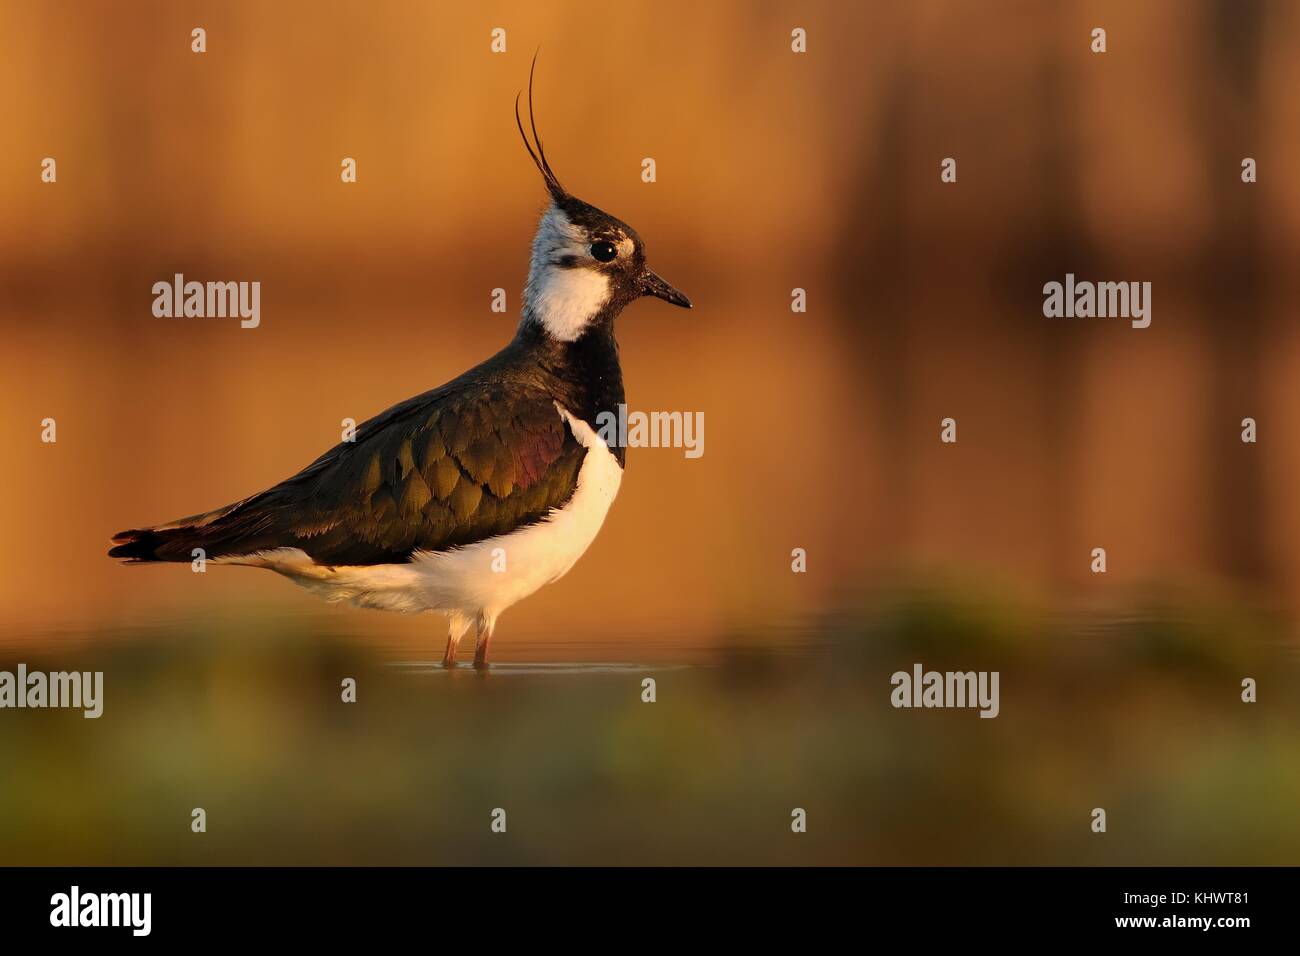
(457,625)
(485,627)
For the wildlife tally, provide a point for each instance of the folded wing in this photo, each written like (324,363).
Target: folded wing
(447,468)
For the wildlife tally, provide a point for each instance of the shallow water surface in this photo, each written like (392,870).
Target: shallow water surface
(245,716)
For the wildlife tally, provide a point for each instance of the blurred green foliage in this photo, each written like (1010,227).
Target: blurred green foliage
(1136,710)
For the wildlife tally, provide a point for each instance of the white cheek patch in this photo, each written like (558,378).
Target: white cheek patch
(564,299)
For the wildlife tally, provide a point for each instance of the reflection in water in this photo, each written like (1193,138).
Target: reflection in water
(520,670)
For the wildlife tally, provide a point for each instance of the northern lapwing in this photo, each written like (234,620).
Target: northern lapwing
(469,497)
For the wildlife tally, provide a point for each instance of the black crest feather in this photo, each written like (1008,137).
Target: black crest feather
(553,186)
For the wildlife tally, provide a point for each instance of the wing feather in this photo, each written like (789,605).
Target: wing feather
(445,469)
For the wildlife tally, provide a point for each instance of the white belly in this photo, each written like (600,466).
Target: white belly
(483,578)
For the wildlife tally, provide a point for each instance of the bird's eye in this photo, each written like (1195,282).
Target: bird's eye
(603,251)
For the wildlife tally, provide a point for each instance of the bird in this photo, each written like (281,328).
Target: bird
(469,497)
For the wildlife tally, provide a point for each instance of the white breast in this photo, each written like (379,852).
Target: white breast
(483,578)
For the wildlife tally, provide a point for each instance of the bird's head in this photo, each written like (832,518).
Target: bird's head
(586,264)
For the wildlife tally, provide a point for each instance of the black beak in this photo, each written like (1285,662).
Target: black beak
(651,284)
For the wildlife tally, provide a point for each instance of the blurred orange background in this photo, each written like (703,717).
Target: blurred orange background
(775,171)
